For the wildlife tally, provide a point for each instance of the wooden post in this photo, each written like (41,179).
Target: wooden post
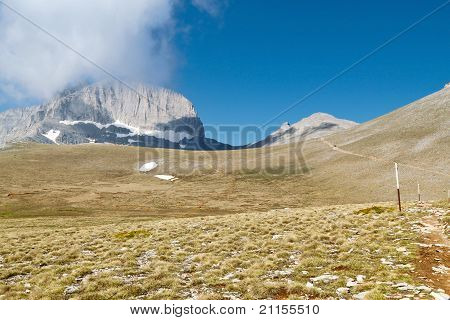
(398,187)
(418,190)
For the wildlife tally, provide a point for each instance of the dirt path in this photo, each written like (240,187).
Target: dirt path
(336,148)
(434,257)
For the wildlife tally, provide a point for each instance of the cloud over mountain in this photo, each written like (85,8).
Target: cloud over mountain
(131,39)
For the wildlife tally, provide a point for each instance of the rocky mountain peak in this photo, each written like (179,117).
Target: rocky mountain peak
(106,112)
(316,125)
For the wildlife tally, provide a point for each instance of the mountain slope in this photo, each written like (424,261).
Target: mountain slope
(420,129)
(359,162)
(109,113)
(314,126)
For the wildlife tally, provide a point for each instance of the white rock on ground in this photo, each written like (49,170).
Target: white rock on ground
(360,278)
(72,289)
(440,296)
(351,283)
(361,295)
(386,261)
(149,166)
(325,278)
(342,290)
(145,258)
(309,285)
(441,269)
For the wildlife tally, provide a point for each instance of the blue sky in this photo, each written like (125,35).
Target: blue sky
(259,57)
(246,62)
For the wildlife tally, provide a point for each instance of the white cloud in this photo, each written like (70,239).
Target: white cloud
(131,39)
(212,7)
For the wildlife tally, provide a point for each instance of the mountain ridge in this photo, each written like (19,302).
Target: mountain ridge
(110,112)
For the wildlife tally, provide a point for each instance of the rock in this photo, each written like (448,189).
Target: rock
(403,286)
(110,112)
(360,278)
(342,290)
(361,295)
(440,296)
(326,278)
(145,258)
(441,269)
(386,261)
(72,289)
(424,288)
(276,237)
(351,283)
(309,285)
(400,284)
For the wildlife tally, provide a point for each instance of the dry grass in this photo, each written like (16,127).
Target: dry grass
(271,255)
(80,222)
(91,180)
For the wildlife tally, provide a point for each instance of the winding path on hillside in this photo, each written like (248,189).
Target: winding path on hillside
(373,158)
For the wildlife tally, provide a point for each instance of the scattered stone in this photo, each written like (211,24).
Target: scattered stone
(305,272)
(145,258)
(326,278)
(440,296)
(87,253)
(72,289)
(403,286)
(441,269)
(280,273)
(386,262)
(309,285)
(361,295)
(231,295)
(351,283)
(360,278)
(403,250)
(424,288)
(276,237)
(342,290)
(14,279)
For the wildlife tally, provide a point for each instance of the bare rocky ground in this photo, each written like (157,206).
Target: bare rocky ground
(366,251)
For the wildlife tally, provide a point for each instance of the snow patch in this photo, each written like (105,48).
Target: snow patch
(166,177)
(52,135)
(170,135)
(149,166)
